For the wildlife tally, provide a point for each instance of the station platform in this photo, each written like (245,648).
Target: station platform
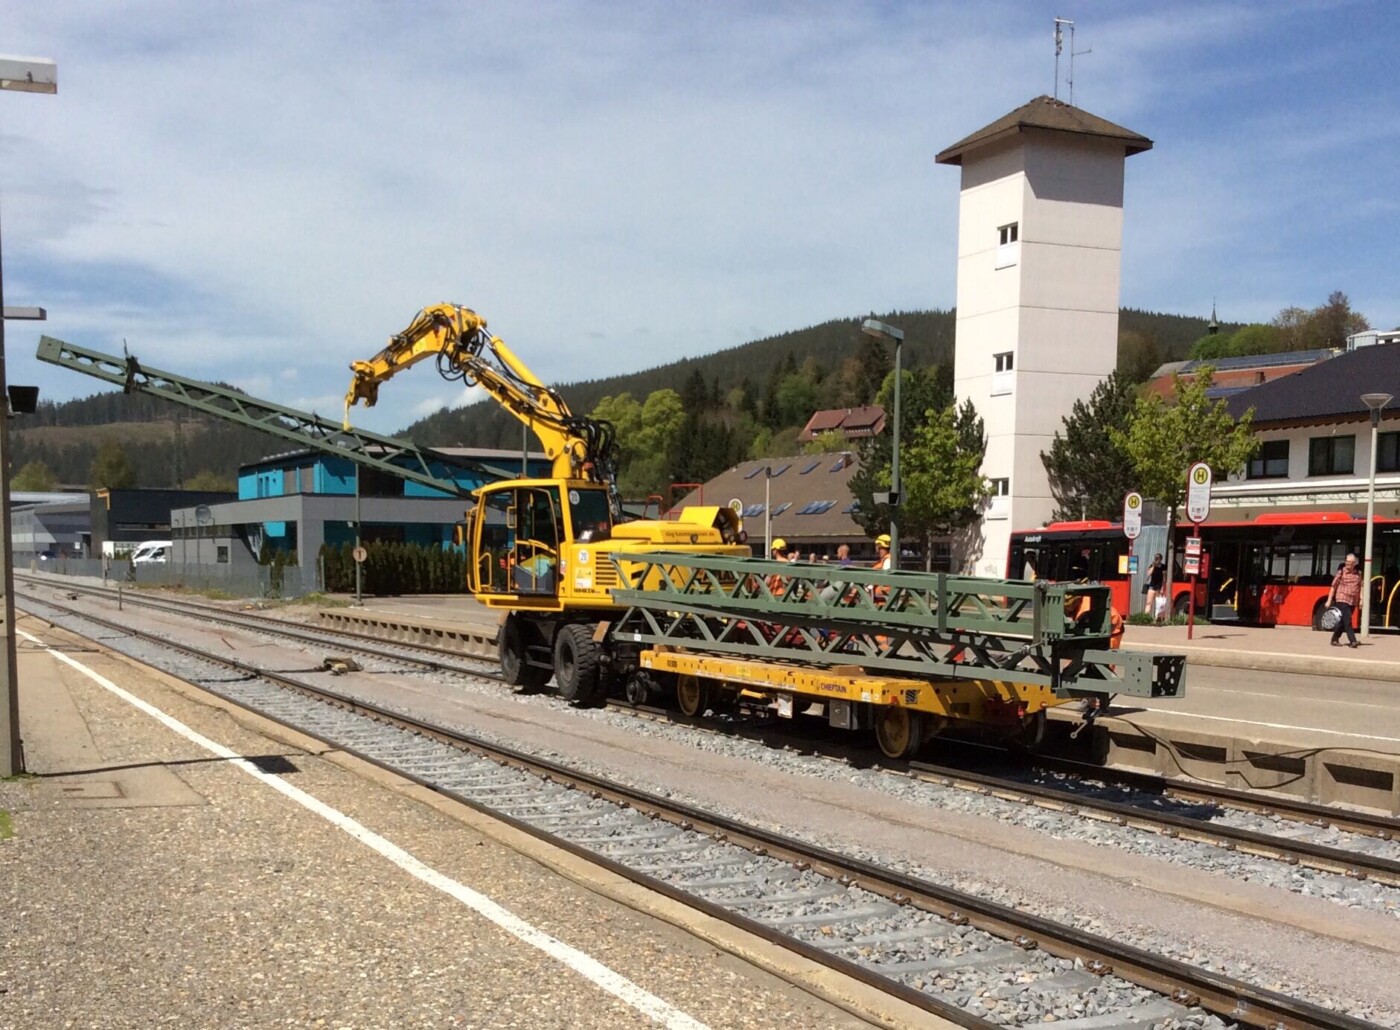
(167,859)
(1268,709)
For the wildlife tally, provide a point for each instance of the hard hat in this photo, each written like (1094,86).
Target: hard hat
(883,540)
(779,544)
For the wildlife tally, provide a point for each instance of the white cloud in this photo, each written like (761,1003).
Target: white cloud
(267,198)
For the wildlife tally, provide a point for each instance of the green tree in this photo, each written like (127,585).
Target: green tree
(827,442)
(206,480)
(1209,347)
(110,468)
(1164,439)
(943,489)
(35,476)
(797,399)
(1138,356)
(1089,473)
(925,393)
(649,449)
(875,362)
(1255,339)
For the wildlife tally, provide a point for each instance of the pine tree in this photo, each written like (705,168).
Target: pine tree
(1089,473)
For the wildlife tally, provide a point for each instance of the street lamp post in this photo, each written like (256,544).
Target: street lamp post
(1375,402)
(881,331)
(24,75)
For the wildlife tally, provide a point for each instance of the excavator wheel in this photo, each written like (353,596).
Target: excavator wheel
(576,663)
(515,670)
(898,731)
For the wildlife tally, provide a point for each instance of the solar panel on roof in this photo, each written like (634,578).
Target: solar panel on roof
(754,472)
(810,467)
(1297,357)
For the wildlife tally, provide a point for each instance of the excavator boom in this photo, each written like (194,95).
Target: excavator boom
(581,448)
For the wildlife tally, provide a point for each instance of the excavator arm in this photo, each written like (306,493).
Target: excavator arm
(581,448)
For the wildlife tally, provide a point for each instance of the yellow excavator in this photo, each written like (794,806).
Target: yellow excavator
(537,548)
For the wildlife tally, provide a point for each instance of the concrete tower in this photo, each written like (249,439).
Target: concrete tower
(1040,237)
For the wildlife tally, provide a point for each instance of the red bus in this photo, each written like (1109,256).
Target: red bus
(1274,570)
(1075,550)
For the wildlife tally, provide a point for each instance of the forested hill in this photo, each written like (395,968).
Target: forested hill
(163,445)
(1146,339)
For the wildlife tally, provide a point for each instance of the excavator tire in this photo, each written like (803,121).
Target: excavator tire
(511,646)
(576,663)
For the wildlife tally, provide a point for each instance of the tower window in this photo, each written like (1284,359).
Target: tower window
(999,502)
(1008,245)
(1002,379)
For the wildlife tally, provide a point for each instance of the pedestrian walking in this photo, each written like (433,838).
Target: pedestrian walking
(1345,595)
(1156,579)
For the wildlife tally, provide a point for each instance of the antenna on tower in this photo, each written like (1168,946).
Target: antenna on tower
(1060,24)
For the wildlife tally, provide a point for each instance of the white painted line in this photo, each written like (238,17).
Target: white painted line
(585,965)
(1265,725)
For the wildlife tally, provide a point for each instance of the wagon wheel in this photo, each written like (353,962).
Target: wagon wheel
(898,731)
(692,695)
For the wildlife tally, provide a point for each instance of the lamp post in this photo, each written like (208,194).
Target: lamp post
(881,331)
(24,75)
(1375,402)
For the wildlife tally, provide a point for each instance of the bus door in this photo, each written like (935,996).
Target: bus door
(1385,578)
(1225,560)
(1255,601)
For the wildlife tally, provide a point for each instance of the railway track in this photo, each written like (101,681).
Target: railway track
(966,959)
(1355,845)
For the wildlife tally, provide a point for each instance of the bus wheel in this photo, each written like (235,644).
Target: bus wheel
(576,663)
(898,731)
(1183,605)
(692,695)
(511,647)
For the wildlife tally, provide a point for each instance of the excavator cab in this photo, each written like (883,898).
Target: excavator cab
(537,542)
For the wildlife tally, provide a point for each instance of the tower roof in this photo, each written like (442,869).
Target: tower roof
(1050,115)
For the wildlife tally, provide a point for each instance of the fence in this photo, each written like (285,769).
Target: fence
(250,581)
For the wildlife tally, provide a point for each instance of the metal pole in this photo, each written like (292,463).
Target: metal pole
(894,461)
(30,75)
(11,749)
(1376,402)
(359,600)
(767,513)
(1370,529)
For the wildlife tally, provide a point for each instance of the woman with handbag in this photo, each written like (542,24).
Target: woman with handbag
(1344,596)
(1152,584)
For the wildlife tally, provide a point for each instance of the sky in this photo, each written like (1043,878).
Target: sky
(262,192)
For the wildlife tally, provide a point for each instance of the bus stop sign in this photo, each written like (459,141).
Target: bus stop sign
(1198,481)
(1132,515)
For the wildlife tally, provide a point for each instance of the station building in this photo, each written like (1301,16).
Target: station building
(302,499)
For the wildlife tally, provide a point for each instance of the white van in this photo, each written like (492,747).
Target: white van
(151,552)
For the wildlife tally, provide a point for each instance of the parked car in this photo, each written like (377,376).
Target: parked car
(151,552)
